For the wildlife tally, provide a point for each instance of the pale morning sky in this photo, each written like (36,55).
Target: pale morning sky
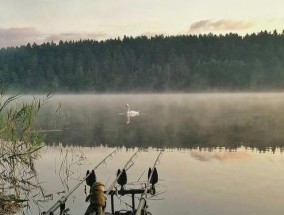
(23,21)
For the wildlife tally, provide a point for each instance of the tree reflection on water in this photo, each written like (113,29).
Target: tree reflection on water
(197,123)
(173,121)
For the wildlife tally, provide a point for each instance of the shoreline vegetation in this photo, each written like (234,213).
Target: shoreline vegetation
(185,63)
(19,148)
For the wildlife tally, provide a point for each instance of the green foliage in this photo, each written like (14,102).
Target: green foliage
(173,63)
(19,146)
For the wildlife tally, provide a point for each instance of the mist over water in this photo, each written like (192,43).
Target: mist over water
(170,120)
(223,152)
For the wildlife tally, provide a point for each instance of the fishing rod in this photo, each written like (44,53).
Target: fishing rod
(61,202)
(152,179)
(130,161)
(99,195)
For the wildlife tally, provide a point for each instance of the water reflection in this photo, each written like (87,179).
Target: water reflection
(213,162)
(224,156)
(174,121)
(229,182)
(127,117)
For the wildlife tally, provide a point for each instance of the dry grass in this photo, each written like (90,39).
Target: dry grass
(10,207)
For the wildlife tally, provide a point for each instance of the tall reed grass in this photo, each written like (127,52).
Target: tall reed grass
(19,147)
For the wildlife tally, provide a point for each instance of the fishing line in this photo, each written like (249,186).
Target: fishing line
(142,201)
(126,166)
(63,199)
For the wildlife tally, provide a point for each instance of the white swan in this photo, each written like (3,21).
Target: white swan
(131,112)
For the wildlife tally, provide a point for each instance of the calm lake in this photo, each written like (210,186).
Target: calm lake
(223,153)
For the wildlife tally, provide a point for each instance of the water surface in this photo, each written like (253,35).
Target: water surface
(223,152)
(172,121)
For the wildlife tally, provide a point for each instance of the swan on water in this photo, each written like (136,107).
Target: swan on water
(131,112)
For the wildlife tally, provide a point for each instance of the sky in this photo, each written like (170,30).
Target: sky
(38,21)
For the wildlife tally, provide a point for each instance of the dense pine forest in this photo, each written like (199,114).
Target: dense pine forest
(162,63)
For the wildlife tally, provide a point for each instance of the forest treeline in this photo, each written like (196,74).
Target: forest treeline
(160,63)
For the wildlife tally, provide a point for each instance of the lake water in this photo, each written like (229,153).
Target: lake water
(222,152)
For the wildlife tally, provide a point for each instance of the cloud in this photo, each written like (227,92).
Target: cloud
(21,36)
(219,25)
(18,36)
(221,156)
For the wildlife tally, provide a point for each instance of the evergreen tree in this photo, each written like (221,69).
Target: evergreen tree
(160,63)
